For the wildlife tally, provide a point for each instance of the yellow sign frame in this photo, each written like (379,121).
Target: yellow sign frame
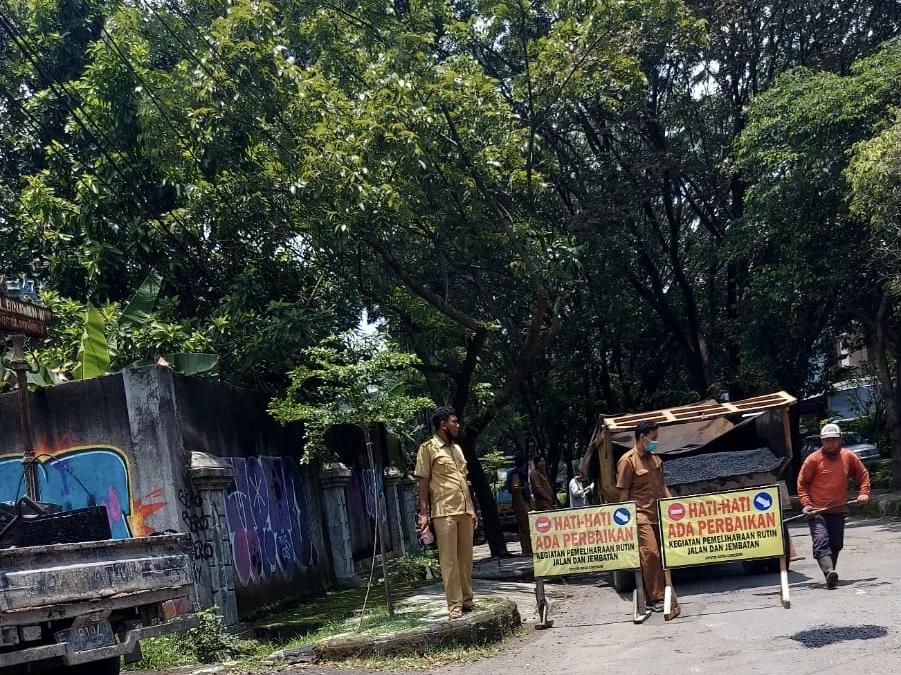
(721,527)
(584,540)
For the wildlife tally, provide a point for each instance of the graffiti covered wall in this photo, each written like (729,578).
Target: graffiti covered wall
(77,477)
(86,456)
(365,494)
(126,441)
(269,522)
(271,510)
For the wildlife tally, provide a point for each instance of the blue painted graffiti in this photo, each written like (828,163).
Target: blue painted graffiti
(76,478)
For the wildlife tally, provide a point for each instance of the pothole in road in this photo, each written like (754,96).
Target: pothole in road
(827,635)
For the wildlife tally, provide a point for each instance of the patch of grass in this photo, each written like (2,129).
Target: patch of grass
(166,651)
(375,623)
(307,615)
(208,642)
(436,658)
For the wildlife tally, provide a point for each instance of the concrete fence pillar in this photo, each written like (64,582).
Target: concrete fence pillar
(409,496)
(393,480)
(333,478)
(205,511)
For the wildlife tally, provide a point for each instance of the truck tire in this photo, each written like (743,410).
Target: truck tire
(624,581)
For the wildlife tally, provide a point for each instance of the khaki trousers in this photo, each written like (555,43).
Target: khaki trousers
(454,535)
(651,564)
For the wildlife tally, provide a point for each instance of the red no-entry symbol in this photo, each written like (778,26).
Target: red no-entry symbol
(676,511)
(543,524)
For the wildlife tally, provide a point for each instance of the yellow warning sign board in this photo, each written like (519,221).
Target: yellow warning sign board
(588,539)
(721,527)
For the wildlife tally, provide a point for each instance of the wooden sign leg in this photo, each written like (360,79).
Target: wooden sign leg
(640,611)
(671,607)
(543,607)
(783,583)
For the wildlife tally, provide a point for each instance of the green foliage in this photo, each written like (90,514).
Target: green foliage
(411,569)
(93,359)
(159,653)
(107,339)
(812,280)
(874,174)
(209,642)
(356,381)
(561,208)
(495,460)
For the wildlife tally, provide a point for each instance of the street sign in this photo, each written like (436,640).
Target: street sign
(23,317)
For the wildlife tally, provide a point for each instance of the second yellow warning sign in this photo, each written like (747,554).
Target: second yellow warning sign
(590,539)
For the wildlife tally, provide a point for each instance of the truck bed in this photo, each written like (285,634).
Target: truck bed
(92,601)
(40,576)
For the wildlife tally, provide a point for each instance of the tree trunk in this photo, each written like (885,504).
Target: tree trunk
(887,385)
(484,494)
(893,420)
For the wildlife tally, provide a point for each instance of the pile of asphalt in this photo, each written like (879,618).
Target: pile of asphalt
(683,470)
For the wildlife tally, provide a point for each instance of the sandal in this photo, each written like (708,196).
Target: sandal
(455,614)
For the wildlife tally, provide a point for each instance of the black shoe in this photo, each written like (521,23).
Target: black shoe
(655,606)
(468,606)
(832,579)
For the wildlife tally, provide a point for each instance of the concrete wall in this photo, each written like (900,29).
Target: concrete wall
(165,452)
(272,508)
(126,441)
(100,442)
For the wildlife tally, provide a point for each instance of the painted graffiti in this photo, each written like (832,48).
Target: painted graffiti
(269,520)
(198,523)
(81,476)
(366,495)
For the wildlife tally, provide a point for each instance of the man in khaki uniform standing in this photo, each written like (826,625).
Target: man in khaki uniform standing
(640,479)
(441,470)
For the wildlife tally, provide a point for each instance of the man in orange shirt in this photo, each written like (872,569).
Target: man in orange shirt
(823,483)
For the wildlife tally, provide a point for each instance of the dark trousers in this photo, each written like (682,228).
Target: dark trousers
(827,534)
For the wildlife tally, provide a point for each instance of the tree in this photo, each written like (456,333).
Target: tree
(358,382)
(809,252)
(874,174)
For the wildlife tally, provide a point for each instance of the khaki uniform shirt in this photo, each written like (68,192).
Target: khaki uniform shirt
(643,478)
(443,465)
(542,492)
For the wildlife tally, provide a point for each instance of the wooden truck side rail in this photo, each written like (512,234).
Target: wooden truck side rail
(121,590)
(708,410)
(61,573)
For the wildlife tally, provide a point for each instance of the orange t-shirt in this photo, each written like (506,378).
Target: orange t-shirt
(823,481)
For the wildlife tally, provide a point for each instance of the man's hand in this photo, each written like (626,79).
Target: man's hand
(807,510)
(422,522)
(861,498)
(475,521)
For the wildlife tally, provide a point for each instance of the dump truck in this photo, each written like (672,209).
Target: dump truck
(707,447)
(74,601)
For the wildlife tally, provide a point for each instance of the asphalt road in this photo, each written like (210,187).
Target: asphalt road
(730,623)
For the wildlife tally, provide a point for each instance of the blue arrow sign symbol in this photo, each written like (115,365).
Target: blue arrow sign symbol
(762,501)
(622,516)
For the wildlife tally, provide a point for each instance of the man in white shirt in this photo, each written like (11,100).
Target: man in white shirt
(578,493)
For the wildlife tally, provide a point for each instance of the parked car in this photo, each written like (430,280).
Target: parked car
(850,440)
